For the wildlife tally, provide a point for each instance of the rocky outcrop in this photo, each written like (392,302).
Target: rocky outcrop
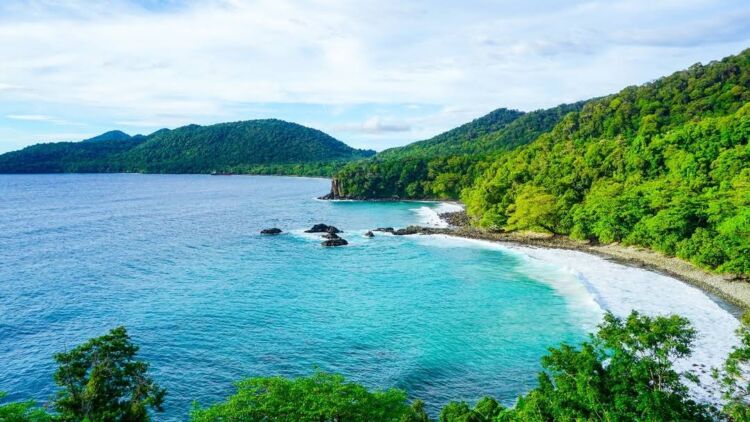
(334,242)
(456,219)
(323,228)
(331,236)
(384,229)
(413,230)
(369,234)
(271,231)
(335,192)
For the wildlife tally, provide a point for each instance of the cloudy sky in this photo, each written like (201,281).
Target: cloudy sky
(372,73)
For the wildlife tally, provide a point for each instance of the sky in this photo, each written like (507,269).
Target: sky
(374,74)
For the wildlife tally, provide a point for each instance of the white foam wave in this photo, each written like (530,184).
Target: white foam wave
(429,215)
(592,284)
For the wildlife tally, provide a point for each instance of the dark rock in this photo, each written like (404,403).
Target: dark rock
(456,219)
(412,230)
(323,228)
(369,234)
(335,242)
(384,229)
(335,192)
(331,236)
(273,230)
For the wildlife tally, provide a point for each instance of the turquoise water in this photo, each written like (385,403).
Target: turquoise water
(179,261)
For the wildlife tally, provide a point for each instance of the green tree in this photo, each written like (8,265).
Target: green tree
(486,410)
(734,377)
(320,397)
(101,380)
(624,373)
(534,208)
(26,411)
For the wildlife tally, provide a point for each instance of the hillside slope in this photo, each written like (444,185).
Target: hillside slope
(256,147)
(458,140)
(665,165)
(442,166)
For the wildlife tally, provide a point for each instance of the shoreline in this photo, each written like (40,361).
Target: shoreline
(727,287)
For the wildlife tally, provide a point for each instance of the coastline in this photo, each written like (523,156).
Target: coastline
(727,287)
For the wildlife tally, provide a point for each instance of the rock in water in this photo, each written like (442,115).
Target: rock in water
(331,236)
(273,230)
(411,230)
(323,228)
(384,229)
(369,234)
(335,242)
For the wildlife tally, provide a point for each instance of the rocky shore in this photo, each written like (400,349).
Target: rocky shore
(730,288)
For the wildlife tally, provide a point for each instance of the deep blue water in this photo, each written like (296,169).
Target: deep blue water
(178,260)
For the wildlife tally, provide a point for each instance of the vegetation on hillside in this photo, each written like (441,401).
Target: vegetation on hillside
(623,373)
(443,166)
(664,165)
(250,147)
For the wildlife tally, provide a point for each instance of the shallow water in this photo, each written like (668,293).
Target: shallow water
(178,260)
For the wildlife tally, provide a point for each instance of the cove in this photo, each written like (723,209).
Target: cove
(179,261)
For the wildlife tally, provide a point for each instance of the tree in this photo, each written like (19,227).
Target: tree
(101,380)
(26,411)
(623,373)
(533,209)
(486,410)
(320,397)
(734,377)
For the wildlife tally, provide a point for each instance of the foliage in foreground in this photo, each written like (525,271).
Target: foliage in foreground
(101,380)
(26,411)
(624,372)
(319,397)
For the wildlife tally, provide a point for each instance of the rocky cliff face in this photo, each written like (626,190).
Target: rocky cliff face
(335,192)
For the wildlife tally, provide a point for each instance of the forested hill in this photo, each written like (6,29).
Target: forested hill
(254,147)
(442,166)
(664,165)
(458,140)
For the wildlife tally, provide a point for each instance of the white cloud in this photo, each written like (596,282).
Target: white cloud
(32,117)
(196,60)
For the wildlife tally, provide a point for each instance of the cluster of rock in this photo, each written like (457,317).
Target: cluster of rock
(408,230)
(331,237)
(330,234)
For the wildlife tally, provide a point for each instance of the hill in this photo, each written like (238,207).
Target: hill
(254,147)
(458,140)
(665,165)
(442,166)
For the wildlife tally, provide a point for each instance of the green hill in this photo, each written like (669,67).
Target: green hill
(458,140)
(664,165)
(442,166)
(254,147)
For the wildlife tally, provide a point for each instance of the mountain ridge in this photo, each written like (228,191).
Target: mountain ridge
(261,146)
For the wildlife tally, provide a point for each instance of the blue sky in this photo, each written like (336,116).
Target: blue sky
(374,74)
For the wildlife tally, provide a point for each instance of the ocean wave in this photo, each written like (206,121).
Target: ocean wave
(592,284)
(429,215)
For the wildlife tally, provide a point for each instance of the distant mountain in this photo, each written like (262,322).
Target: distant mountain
(113,135)
(256,146)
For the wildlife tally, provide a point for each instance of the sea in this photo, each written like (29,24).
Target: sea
(180,262)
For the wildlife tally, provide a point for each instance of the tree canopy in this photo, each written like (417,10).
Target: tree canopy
(102,381)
